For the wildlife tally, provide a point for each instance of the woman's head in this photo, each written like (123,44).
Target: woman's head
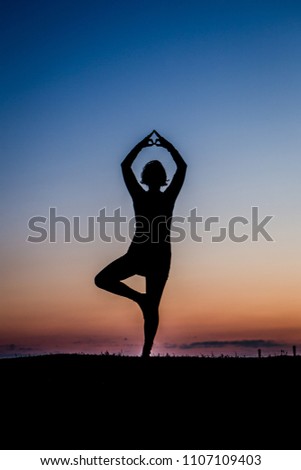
(154,174)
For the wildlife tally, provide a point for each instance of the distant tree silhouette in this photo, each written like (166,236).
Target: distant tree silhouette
(259,353)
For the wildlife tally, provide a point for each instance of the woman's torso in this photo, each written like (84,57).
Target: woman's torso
(151,240)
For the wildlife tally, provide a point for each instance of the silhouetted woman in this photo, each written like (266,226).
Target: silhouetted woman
(149,254)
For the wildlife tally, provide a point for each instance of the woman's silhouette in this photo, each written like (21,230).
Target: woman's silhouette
(149,254)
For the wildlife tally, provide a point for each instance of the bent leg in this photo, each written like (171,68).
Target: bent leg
(155,284)
(111,276)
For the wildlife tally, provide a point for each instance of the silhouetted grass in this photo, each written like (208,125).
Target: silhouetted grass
(162,402)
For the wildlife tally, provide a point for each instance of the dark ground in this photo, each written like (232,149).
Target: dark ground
(115,402)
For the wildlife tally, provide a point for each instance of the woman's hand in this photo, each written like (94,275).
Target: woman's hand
(129,159)
(154,138)
(162,142)
(146,142)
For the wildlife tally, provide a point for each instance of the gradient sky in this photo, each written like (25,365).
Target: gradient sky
(81,83)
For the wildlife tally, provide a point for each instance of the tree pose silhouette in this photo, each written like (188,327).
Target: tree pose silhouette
(149,253)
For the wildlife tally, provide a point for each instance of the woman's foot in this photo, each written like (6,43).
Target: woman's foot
(146,352)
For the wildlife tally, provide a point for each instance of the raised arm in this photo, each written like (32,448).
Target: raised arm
(179,176)
(126,166)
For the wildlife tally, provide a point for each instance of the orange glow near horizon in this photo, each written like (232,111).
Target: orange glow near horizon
(207,298)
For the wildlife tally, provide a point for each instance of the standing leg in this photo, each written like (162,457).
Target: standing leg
(155,284)
(110,279)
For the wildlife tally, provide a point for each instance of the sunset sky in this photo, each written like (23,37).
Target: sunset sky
(81,83)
